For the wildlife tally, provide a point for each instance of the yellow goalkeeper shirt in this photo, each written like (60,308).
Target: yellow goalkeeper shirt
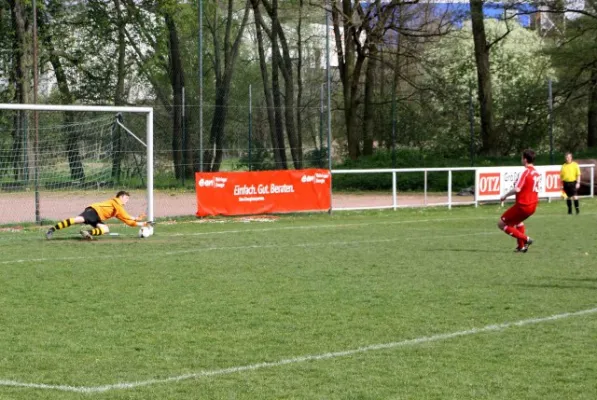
(113,208)
(570,172)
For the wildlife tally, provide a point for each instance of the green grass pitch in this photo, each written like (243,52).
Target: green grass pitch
(409,304)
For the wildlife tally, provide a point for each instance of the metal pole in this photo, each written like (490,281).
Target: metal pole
(184,147)
(471,118)
(329,93)
(200,18)
(425,189)
(394,127)
(449,189)
(550,106)
(320,157)
(250,126)
(35,116)
(394,90)
(149,141)
(394,190)
(592,180)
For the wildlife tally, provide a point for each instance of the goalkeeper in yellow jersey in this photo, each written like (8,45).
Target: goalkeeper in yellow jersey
(97,213)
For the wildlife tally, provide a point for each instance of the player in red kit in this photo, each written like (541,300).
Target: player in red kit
(527,197)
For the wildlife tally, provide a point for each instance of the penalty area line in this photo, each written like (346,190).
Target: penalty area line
(260,246)
(299,359)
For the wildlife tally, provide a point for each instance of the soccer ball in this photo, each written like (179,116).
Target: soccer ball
(145,232)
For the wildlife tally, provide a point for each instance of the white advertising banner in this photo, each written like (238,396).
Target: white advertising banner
(492,182)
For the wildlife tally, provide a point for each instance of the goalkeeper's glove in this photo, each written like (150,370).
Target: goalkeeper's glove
(141,216)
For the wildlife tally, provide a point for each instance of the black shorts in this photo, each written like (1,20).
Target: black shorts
(91,217)
(570,189)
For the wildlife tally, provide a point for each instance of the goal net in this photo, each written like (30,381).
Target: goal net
(56,160)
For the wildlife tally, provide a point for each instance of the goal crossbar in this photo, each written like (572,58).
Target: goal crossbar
(148,111)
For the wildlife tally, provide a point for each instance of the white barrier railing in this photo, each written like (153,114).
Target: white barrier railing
(449,201)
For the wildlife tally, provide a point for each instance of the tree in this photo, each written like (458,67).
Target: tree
(21,78)
(359,35)
(177,81)
(279,151)
(347,33)
(575,56)
(519,69)
(47,32)
(225,56)
(484,90)
(154,36)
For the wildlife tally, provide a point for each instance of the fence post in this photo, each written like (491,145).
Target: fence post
(320,157)
(184,149)
(394,190)
(593,180)
(471,117)
(449,189)
(250,126)
(425,188)
(550,106)
(329,93)
(394,127)
(200,55)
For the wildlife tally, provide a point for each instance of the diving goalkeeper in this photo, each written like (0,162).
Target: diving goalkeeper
(97,213)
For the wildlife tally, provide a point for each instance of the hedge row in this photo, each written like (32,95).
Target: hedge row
(414,181)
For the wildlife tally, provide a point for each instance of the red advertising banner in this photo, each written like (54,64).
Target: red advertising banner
(553,184)
(489,183)
(263,192)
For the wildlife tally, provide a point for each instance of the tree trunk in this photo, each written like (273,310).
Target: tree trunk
(349,64)
(177,82)
(284,62)
(23,64)
(224,70)
(216,138)
(299,81)
(278,123)
(77,172)
(592,111)
(265,78)
(119,97)
(368,118)
(488,136)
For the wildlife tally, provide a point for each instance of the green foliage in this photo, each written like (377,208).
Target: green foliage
(520,71)
(436,181)
(574,56)
(316,158)
(261,159)
(410,181)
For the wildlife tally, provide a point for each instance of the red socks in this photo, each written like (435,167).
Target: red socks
(521,242)
(517,233)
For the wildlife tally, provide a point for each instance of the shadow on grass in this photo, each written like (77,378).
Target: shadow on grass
(552,286)
(468,250)
(570,279)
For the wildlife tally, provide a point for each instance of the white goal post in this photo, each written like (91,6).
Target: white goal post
(147,111)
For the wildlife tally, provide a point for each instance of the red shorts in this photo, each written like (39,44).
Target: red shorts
(518,213)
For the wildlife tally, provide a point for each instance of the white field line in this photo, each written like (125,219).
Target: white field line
(296,360)
(255,247)
(309,227)
(302,227)
(324,244)
(332,226)
(353,224)
(326,226)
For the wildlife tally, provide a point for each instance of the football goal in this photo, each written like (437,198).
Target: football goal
(52,154)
